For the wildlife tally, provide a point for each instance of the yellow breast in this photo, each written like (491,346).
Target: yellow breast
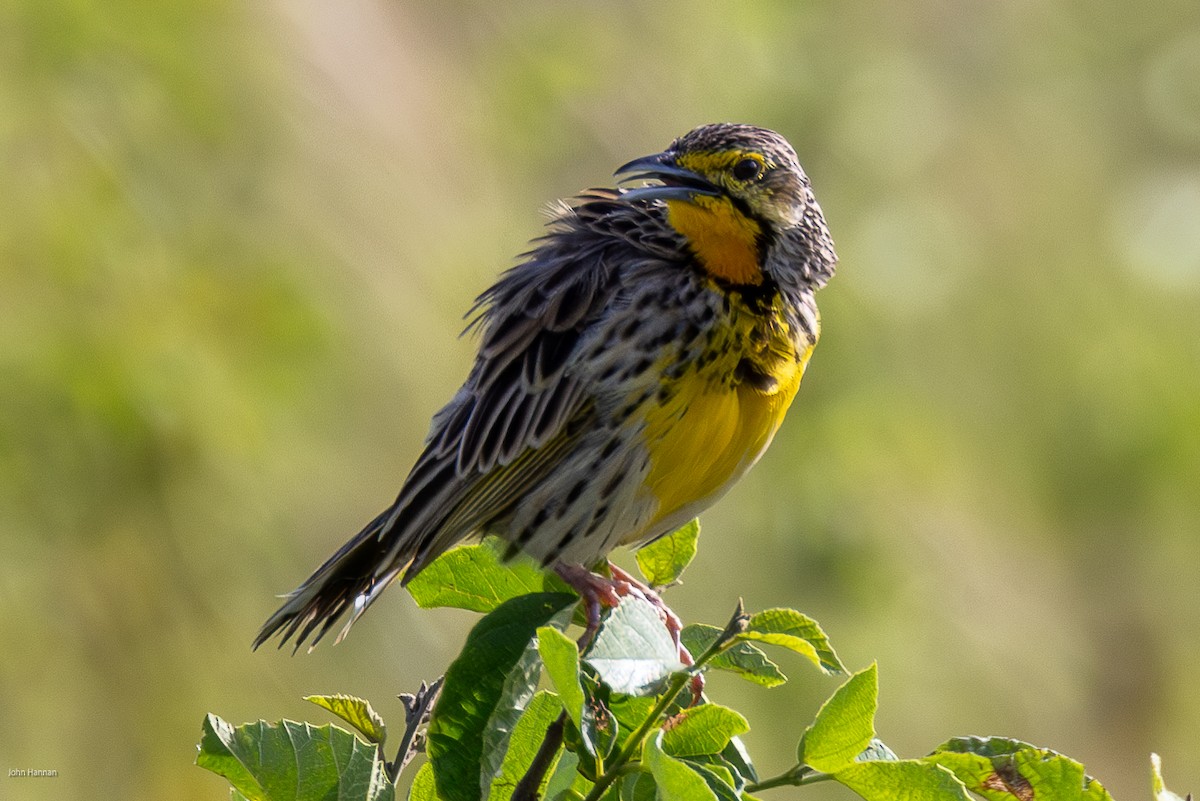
(711,430)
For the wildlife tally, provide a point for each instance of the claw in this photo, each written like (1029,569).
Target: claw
(598,591)
(671,620)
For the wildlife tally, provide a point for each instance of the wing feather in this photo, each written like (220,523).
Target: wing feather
(494,494)
(523,408)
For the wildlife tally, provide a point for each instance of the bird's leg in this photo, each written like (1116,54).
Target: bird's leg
(670,620)
(599,591)
(596,591)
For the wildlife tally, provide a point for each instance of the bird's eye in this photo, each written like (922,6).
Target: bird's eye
(747,169)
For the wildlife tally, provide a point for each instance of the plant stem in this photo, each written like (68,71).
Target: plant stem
(782,780)
(417,708)
(634,743)
(527,788)
(794,777)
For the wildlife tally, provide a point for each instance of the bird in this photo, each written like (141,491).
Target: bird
(631,368)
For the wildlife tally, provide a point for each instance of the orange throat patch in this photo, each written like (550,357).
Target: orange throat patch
(723,239)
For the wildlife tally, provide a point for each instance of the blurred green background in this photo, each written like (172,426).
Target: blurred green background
(236,243)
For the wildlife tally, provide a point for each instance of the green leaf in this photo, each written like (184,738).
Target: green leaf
(571,794)
(719,780)
(524,743)
(704,729)
(844,726)
(424,788)
(566,779)
(1161,793)
(355,711)
(474,577)
(633,653)
(520,683)
(560,655)
(475,686)
(743,658)
(663,561)
(639,786)
(600,730)
(903,780)
(289,761)
(629,711)
(796,632)
(1001,769)
(739,759)
(676,781)
(722,767)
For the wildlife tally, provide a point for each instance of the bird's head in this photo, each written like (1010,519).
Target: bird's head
(734,192)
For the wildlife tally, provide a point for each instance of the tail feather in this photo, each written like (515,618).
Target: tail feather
(351,579)
(333,589)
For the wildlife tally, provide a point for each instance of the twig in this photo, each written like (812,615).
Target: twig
(633,744)
(417,708)
(737,624)
(531,782)
(795,777)
(527,788)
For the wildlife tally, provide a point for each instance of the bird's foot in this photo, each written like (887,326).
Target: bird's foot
(599,591)
(596,591)
(669,618)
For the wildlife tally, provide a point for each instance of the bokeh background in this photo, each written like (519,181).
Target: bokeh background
(237,240)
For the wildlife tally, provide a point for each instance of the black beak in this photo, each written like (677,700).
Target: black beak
(677,183)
